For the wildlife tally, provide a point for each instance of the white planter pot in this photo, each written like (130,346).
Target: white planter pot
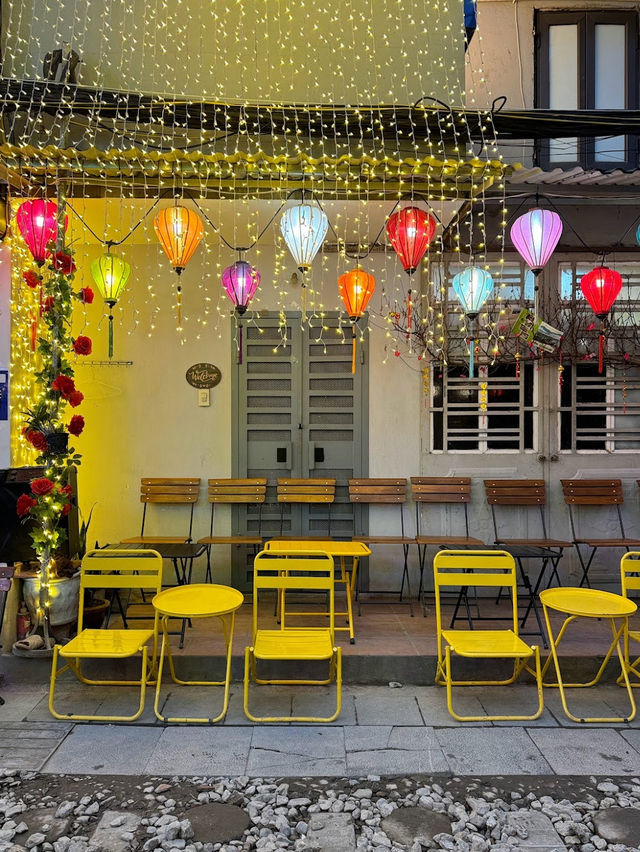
(65,598)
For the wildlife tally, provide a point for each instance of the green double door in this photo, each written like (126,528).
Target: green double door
(298,412)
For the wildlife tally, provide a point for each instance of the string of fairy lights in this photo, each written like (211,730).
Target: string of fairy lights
(241,134)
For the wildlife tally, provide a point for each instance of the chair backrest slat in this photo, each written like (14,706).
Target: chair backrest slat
(592,492)
(441,489)
(515,492)
(174,490)
(237,490)
(377,490)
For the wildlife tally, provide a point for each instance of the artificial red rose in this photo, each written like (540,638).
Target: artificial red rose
(86,295)
(67,489)
(24,505)
(64,384)
(66,509)
(42,486)
(75,398)
(31,278)
(36,439)
(48,303)
(63,262)
(82,345)
(75,427)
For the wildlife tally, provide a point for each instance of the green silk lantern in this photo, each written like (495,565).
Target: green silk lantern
(110,273)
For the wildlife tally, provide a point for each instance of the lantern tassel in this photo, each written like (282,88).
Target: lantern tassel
(179,308)
(472,348)
(601,352)
(239,343)
(110,335)
(353,348)
(304,301)
(34,331)
(409,318)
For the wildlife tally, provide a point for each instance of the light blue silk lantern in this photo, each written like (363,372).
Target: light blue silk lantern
(472,286)
(304,228)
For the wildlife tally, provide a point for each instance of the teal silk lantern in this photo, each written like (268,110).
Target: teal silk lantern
(304,228)
(472,286)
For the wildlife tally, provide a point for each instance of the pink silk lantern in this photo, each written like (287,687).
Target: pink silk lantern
(240,281)
(37,223)
(535,235)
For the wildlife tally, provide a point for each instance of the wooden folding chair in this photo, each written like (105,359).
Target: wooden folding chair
(111,569)
(481,569)
(447,491)
(293,572)
(234,492)
(591,494)
(630,582)
(547,551)
(385,492)
(167,492)
(310,492)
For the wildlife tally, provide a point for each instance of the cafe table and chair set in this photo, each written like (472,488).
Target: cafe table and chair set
(283,568)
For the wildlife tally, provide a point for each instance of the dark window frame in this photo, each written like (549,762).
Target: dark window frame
(586,21)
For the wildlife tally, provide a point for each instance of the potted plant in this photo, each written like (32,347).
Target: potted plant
(95,605)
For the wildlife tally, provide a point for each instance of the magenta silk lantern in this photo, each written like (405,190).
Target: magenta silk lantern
(240,281)
(37,223)
(535,235)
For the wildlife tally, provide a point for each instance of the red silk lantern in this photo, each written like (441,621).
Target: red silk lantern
(410,232)
(356,289)
(37,222)
(601,287)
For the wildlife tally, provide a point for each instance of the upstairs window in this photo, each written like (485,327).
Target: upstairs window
(587,60)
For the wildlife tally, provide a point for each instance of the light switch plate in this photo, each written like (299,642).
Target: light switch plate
(204,397)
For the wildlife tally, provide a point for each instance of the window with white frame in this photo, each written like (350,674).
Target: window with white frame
(599,412)
(492,412)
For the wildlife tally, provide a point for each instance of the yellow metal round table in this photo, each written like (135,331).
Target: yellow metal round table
(202,600)
(574,603)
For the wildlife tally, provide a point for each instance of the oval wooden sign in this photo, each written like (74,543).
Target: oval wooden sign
(203,375)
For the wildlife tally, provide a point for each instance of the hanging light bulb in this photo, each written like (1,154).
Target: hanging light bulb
(240,281)
(304,228)
(535,235)
(410,232)
(601,287)
(110,273)
(37,222)
(356,289)
(179,231)
(472,286)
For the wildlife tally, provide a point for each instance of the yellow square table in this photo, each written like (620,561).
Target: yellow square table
(589,603)
(201,600)
(340,550)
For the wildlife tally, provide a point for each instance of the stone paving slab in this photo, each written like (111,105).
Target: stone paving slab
(308,750)
(587,751)
(541,835)
(382,707)
(113,824)
(29,746)
(105,750)
(393,750)
(196,750)
(491,751)
(330,833)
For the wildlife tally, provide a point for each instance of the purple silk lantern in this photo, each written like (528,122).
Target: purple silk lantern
(535,234)
(240,282)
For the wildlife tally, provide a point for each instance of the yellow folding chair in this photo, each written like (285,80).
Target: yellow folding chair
(630,582)
(111,569)
(487,569)
(282,572)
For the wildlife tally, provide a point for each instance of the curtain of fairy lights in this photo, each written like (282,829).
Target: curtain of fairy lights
(234,111)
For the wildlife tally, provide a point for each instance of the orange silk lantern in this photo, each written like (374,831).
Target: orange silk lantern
(179,231)
(356,289)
